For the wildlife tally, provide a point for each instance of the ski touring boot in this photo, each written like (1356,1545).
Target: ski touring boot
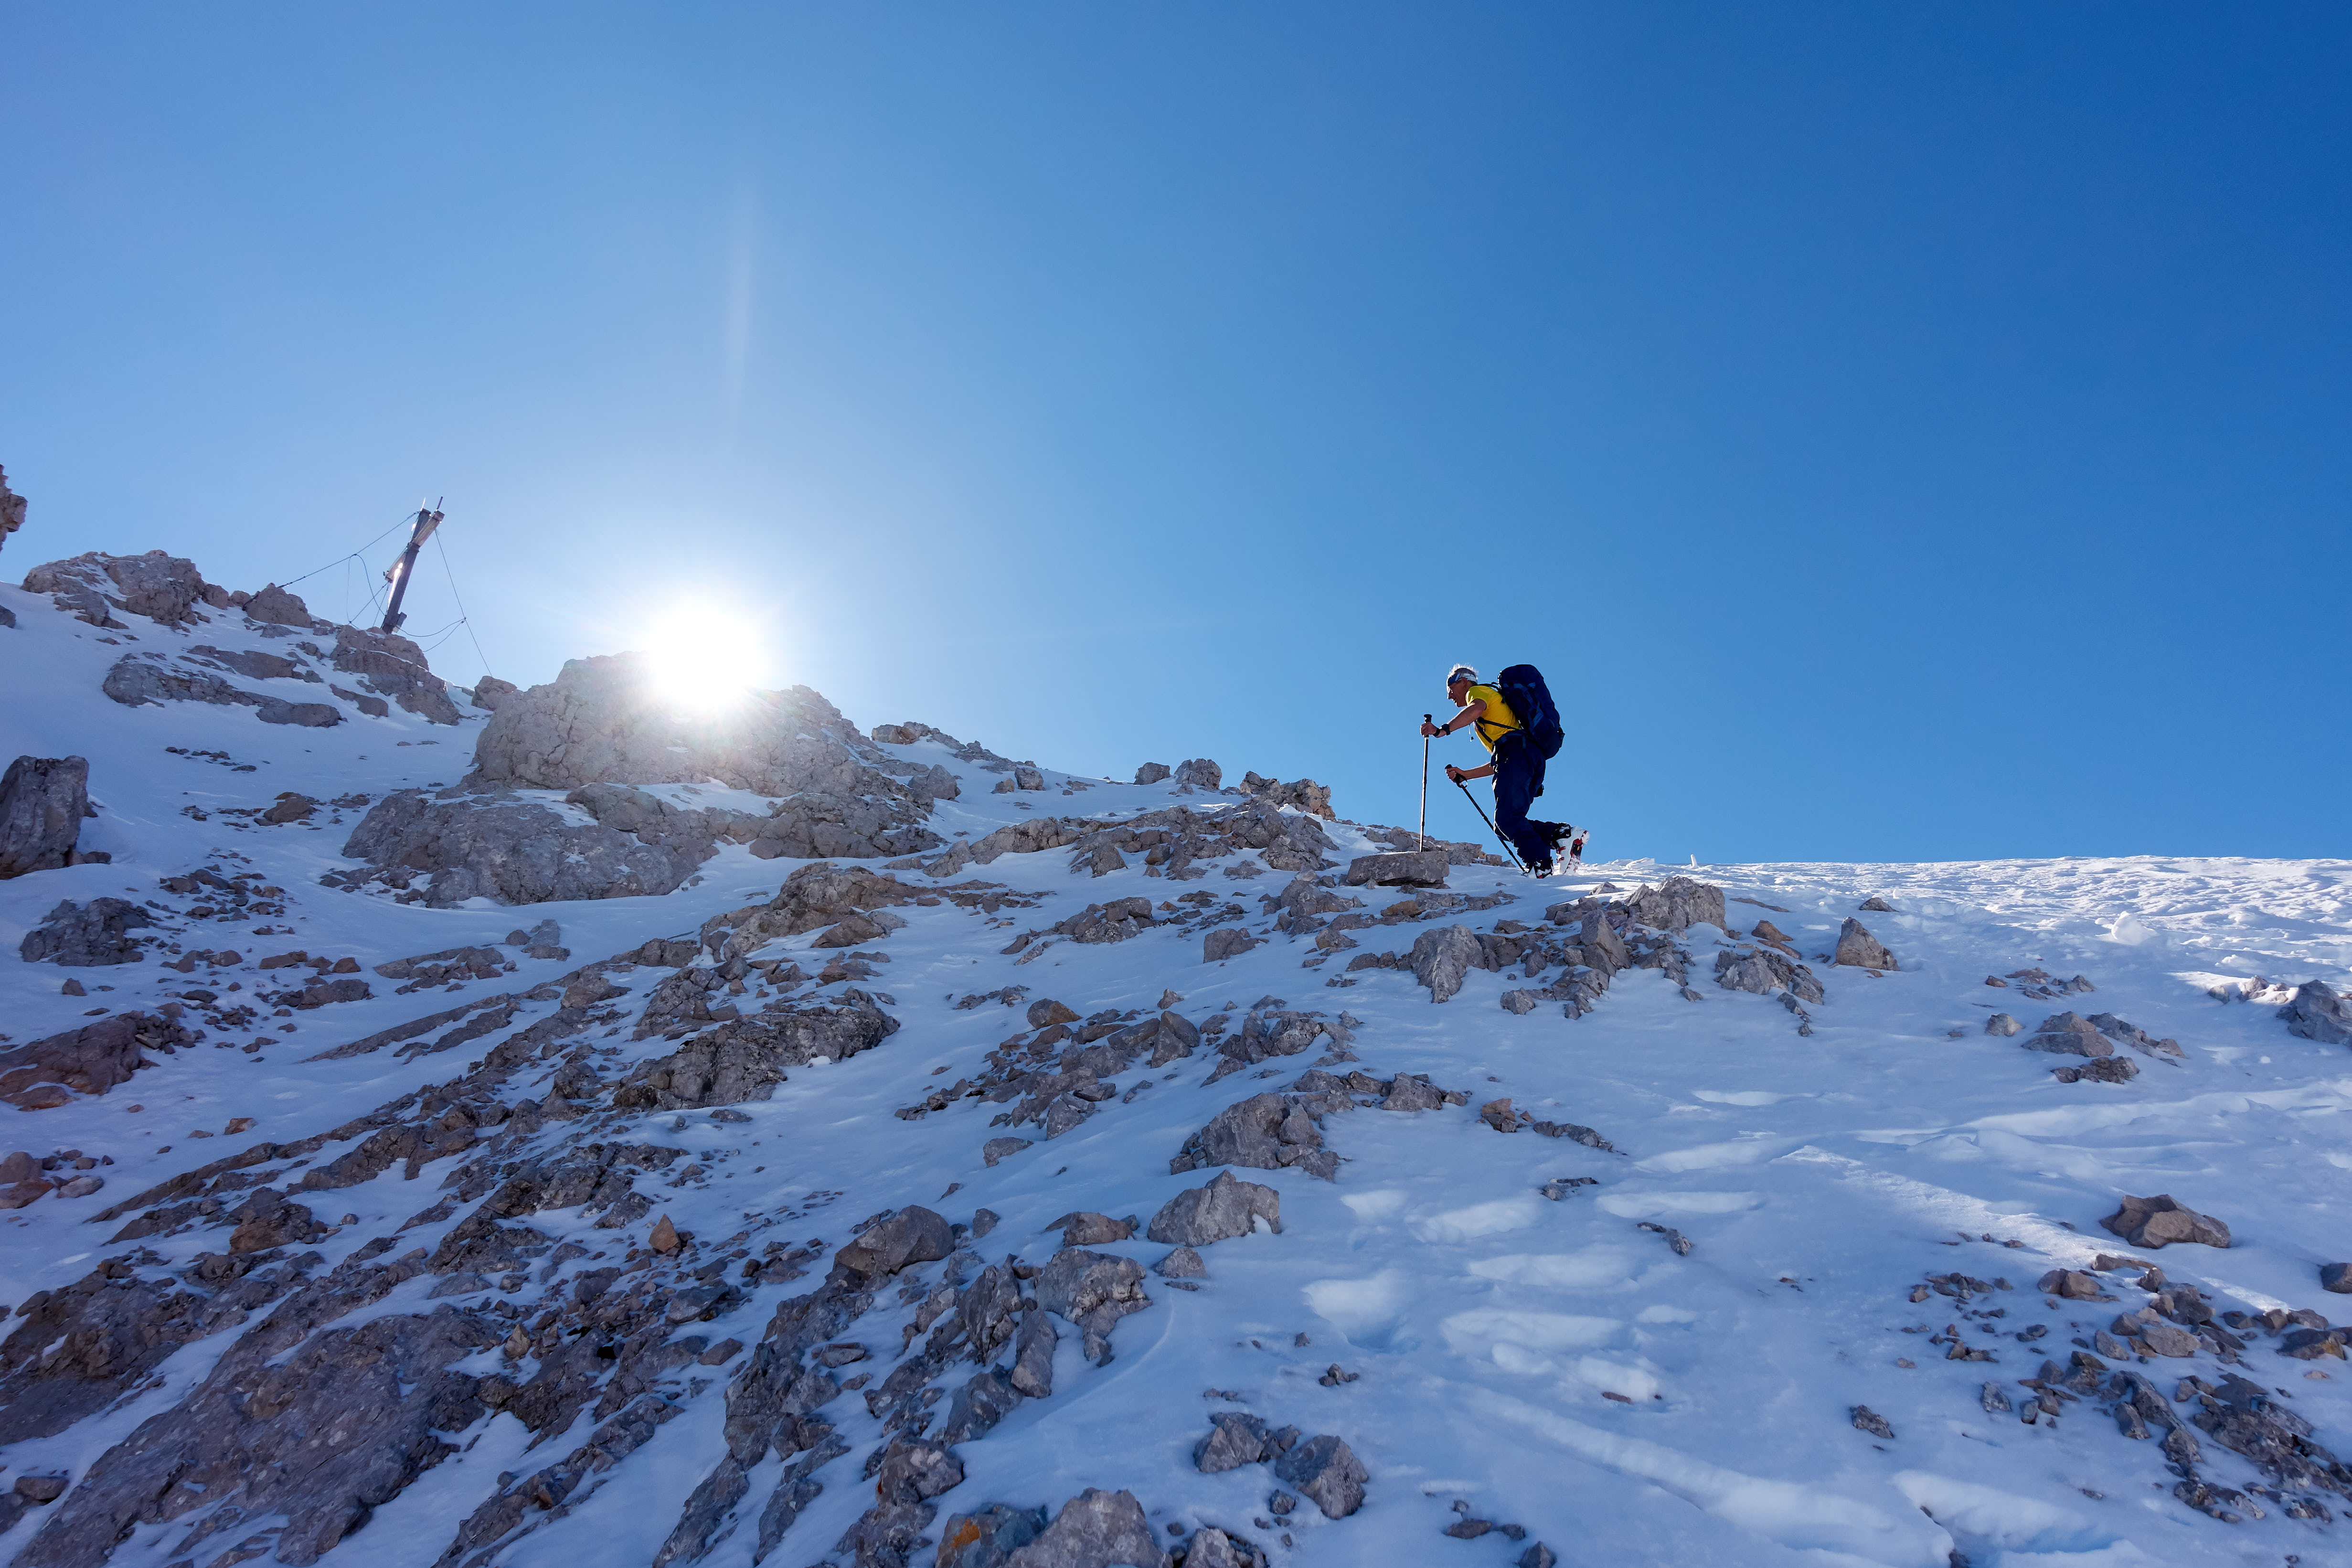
(1568,846)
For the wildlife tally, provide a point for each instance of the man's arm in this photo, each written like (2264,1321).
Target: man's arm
(1470,714)
(1458,774)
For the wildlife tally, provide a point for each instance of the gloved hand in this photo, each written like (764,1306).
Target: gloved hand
(1429,728)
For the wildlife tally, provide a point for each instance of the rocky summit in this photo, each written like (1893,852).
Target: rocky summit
(453,1126)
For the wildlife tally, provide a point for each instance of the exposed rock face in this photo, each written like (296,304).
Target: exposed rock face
(1229,941)
(2318,1013)
(2159,1222)
(88,1060)
(512,851)
(1095,1529)
(395,666)
(1264,1133)
(81,936)
(1306,794)
(597,722)
(1857,948)
(164,588)
(1227,1206)
(745,1059)
(1152,773)
(140,679)
(1764,972)
(1406,869)
(42,802)
(1092,1291)
(913,1235)
(2069,1034)
(1440,959)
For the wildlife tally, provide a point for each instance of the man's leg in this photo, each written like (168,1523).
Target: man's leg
(1515,786)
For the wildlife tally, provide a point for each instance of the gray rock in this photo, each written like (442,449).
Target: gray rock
(82,936)
(2159,1222)
(2132,1034)
(1045,1012)
(745,1058)
(1856,948)
(1678,902)
(277,608)
(1764,972)
(1199,772)
(1152,773)
(2069,1034)
(1033,1355)
(1326,1471)
(137,679)
(1085,1227)
(1440,959)
(162,587)
(1229,941)
(1236,1439)
(490,692)
(395,667)
(997,1149)
(1114,922)
(2318,1013)
(598,721)
(42,802)
(1407,868)
(914,1235)
(46,1073)
(511,851)
(1095,1529)
(12,510)
(2163,1338)
(1262,1133)
(1868,1420)
(1877,905)
(1091,1291)
(1182,1263)
(2070,1284)
(1521,1002)
(1227,1206)
(2336,1277)
(1213,1548)
(1537,1556)
(2106,1069)
(989,1538)
(2002,1024)
(1304,795)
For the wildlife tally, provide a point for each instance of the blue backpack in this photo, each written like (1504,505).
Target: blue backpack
(1523,688)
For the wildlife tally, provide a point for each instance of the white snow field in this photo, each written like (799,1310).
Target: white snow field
(1541,1362)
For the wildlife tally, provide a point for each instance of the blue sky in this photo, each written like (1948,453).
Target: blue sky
(1900,431)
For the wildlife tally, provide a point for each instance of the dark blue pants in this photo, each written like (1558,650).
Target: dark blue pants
(1518,780)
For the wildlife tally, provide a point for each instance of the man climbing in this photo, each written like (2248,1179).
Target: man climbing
(1518,769)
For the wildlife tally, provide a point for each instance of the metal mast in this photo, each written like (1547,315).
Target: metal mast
(397,574)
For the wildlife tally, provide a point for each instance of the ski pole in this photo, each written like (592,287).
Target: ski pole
(1489,821)
(1421,828)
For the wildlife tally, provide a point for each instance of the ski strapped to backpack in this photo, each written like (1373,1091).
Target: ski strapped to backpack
(1524,692)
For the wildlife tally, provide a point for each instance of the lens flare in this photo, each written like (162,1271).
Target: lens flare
(703,662)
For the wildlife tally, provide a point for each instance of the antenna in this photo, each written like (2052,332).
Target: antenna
(398,572)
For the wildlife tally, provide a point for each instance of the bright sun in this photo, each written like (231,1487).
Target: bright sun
(704,660)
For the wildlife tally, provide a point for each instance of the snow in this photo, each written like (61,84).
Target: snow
(1821,1179)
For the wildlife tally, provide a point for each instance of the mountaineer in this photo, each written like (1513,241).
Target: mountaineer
(1518,724)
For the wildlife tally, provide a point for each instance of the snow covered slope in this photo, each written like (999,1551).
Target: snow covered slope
(582,1269)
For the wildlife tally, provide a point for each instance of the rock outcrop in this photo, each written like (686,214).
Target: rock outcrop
(12,510)
(42,802)
(2159,1222)
(2318,1013)
(516,852)
(164,588)
(746,1059)
(140,679)
(1228,1206)
(92,1060)
(82,936)
(391,665)
(1860,950)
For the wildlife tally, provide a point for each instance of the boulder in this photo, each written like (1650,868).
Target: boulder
(1228,942)
(1182,1263)
(11,509)
(1152,773)
(1199,772)
(1324,1471)
(1264,1133)
(1764,972)
(2159,1222)
(1091,1291)
(1227,1206)
(2070,1284)
(2002,1024)
(2336,1277)
(743,1060)
(1236,1439)
(394,666)
(1114,922)
(1085,1227)
(275,606)
(2316,1012)
(2069,1034)
(1443,957)
(82,936)
(989,1538)
(1679,903)
(1425,869)
(914,1235)
(42,802)
(490,692)
(997,1149)
(1095,1529)
(1856,948)
(92,1060)
(164,587)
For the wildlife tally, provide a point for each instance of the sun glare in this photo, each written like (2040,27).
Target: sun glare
(703,662)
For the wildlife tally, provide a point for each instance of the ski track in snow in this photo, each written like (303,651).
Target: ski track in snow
(1820,1178)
